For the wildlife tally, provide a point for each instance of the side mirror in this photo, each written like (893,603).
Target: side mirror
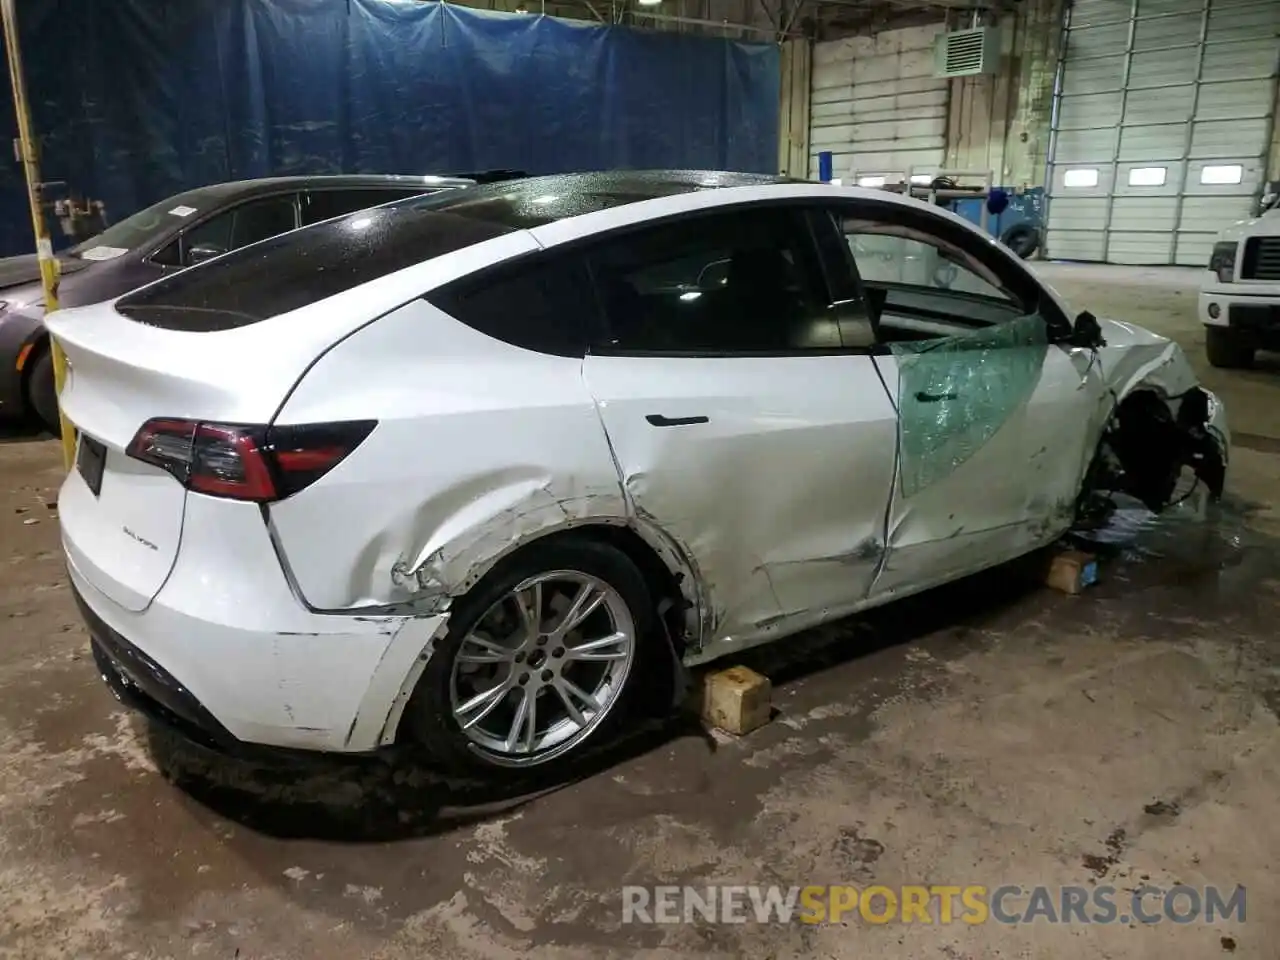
(1087,332)
(202,252)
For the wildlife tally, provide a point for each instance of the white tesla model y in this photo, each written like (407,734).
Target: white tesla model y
(461,468)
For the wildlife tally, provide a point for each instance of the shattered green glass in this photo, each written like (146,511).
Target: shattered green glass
(955,393)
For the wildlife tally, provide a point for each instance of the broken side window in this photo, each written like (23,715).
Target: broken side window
(956,392)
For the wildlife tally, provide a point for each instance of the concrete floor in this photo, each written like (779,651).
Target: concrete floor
(985,734)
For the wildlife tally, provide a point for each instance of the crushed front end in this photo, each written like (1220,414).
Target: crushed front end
(1163,426)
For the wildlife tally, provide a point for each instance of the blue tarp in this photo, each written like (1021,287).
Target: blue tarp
(138,99)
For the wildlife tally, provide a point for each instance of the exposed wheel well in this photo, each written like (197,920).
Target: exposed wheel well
(663,583)
(1146,443)
(664,586)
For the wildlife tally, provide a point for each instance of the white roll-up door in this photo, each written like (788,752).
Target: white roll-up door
(876,104)
(1162,127)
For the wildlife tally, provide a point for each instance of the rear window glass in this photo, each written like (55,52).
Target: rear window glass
(302,267)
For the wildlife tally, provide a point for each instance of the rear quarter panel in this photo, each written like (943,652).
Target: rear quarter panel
(480,447)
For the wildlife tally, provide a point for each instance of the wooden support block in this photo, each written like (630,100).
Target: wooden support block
(737,700)
(1071,571)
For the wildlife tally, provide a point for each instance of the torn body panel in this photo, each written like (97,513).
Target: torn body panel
(976,490)
(1161,422)
(509,457)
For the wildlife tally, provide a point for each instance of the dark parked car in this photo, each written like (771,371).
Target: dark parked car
(176,233)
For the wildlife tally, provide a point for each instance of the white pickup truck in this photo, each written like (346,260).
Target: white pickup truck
(1240,293)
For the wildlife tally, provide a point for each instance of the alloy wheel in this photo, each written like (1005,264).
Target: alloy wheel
(542,667)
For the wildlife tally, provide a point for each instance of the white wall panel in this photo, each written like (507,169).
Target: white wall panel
(876,105)
(1181,85)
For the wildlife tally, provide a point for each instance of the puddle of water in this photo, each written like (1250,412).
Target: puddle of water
(1207,550)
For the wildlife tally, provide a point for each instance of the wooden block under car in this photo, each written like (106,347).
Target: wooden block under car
(737,700)
(1071,571)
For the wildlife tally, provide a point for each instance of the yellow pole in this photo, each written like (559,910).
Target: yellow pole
(44,246)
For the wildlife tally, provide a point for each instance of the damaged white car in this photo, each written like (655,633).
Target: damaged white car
(466,469)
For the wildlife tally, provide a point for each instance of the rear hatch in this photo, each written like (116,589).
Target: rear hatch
(214,351)
(122,517)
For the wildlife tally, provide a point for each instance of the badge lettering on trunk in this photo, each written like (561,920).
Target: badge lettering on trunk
(142,540)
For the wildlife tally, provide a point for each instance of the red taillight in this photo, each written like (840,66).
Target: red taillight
(242,462)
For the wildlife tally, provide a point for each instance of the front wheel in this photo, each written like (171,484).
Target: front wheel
(1227,349)
(539,660)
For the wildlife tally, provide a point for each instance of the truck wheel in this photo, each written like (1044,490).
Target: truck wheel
(42,396)
(1227,349)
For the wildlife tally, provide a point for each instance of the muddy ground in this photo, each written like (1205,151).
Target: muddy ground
(991,733)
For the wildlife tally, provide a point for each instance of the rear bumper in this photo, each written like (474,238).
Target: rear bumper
(139,682)
(226,655)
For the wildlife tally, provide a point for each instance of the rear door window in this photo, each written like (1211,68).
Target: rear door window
(741,282)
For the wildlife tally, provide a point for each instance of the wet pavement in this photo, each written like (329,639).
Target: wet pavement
(991,732)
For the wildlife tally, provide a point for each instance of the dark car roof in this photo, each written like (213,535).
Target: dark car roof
(292,270)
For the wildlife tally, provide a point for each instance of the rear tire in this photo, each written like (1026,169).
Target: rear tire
(527,664)
(1227,349)
(42,394)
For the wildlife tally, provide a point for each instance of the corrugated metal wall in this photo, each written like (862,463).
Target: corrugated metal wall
(1163,126)
(876,104)
(1001,122)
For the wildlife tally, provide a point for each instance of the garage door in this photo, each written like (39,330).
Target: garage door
(1162,129)
(876,105)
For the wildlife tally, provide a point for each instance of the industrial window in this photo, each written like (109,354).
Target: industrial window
(1147,176)
(871,181)
(1081,177)
(1223,173)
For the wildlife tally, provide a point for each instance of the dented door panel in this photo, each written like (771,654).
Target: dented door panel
(1016,487)
(772,474)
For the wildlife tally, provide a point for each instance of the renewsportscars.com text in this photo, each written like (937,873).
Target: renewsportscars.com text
(934,903)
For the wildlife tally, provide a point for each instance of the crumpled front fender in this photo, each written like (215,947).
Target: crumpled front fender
(1188,426)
